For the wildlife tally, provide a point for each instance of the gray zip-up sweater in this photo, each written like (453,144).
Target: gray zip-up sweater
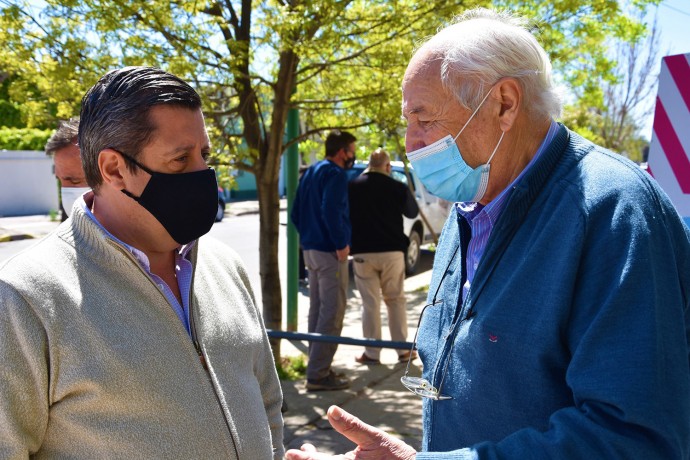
(94,363)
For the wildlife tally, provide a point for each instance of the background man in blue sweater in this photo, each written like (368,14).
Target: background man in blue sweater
(558,319)
(321,215)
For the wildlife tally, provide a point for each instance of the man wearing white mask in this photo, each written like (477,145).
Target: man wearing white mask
(558,315)
(62,146)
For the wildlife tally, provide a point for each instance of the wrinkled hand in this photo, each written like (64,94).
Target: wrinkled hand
(372,443)
(343,253)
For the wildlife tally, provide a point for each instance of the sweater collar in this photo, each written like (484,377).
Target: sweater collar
(85,230)
(519,202)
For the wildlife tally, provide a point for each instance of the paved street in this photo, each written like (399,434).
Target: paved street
(376,394)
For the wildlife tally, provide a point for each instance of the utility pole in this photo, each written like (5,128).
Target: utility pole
(292,236)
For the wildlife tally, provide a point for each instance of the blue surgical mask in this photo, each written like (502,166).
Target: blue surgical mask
(443,171)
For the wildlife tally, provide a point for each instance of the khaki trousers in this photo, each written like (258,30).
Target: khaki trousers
(381,274)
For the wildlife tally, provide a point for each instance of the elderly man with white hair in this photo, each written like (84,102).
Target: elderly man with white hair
(557,323)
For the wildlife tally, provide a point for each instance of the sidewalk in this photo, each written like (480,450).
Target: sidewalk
(376,394)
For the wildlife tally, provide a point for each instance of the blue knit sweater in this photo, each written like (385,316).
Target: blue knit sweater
(573,340)
(321,212)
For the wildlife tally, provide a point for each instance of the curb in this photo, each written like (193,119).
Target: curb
(9,237)
(241,213)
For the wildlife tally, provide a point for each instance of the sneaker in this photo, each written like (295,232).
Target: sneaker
(327,384)
(364,359)
(406,356)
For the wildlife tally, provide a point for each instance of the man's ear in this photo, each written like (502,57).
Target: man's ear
(509,93)
(112,166)
(341,155)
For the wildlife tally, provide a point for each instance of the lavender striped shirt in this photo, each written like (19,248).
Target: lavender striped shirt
(482,218)
(183,271)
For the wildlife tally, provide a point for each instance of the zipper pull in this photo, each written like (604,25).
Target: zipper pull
(201,355)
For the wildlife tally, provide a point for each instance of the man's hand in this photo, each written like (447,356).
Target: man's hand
(372,443)
(343,253)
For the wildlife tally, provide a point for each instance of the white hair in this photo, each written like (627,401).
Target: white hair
(481,47)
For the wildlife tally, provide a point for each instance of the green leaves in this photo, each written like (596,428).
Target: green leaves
(348,57)
(23,138)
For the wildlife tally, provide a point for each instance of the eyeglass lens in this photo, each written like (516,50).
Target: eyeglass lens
(418,385)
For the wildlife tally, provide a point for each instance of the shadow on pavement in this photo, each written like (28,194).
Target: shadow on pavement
(376,394)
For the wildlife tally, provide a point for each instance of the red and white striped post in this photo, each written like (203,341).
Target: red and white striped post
(669,151)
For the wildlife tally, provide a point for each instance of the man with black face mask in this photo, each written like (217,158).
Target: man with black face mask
(322,217)
(126,334)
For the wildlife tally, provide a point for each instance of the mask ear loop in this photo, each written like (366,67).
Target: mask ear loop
(481,190)
(473,114)
(503,133)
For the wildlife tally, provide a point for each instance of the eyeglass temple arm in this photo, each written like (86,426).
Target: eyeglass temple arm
(433,302)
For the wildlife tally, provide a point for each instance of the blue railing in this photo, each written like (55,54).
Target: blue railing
(314,337)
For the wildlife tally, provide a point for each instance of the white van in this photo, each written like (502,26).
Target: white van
(431,208)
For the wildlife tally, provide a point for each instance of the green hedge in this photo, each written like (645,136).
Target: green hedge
(24,138)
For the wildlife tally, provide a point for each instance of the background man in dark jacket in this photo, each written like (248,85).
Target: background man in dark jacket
(379,244)
(321,216)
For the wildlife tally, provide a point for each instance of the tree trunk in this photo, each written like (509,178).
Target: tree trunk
(269,212)
(267,176)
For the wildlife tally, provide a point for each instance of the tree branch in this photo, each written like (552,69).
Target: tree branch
(309,133)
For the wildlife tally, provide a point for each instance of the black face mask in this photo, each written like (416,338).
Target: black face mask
(349,160)
(185,204)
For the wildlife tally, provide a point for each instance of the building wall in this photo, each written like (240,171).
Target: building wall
(246,186)
(27,183)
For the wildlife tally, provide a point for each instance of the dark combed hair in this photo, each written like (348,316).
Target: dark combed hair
(115,113)
(65,135)
(337,140)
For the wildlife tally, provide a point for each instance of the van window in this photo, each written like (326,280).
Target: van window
(399,176)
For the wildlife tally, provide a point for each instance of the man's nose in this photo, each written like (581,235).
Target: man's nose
(413,139)
(199,162)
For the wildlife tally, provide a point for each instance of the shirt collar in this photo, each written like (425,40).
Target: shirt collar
(141,256)
(494,208)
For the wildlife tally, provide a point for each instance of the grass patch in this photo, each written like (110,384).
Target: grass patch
(291,367)
(422,289)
